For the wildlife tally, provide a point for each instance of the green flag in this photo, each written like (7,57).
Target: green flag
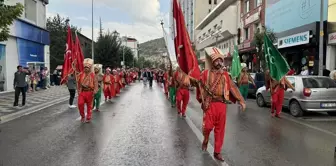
(236,66)
(275,62)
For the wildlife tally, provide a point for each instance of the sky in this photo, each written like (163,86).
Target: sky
(135,18)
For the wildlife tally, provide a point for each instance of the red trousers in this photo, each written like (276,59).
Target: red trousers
(117,88)
(109,91)
(85,98)
(277,100)
(215,117)
(182,99)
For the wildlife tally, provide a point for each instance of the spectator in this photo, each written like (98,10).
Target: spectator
(72,89)
(20,85)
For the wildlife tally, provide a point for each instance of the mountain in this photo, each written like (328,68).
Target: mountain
(152,48)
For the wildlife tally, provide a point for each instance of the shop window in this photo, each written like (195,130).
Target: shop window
(247,34)
(30,10)
(257,3)
(247,6)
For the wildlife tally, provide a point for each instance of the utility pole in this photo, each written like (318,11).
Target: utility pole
(92,49)
(124,64)
(321,39)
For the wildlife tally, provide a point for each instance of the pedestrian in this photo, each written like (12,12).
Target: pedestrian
(99,78)
(117,81)
(108,81)
(277,90)
(243,81)
(71,83)
(150,77)
(182,94)
(20,85)
(145,77)
(87,87)
(214,91)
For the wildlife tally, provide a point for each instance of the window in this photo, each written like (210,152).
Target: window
(209,2)
(291,80)
(215,2)
(247,6)
(209,10)
(247,34)
(30,10)
(318,82)
(257,2)
(215,27)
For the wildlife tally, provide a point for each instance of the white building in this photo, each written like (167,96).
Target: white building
(28,44)
(195,11)
(132,43)
(219,27)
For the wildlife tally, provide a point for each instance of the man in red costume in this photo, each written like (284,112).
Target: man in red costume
(215,90)
(277,89)
(109,90)
(182,93)
(117,81)
(87,87)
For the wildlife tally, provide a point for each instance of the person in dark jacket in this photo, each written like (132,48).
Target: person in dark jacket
(71,83)
(20,85)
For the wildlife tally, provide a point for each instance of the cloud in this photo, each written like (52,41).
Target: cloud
(139,10)
(142,32)
(145,18)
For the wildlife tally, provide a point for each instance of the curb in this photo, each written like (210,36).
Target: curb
(7,118)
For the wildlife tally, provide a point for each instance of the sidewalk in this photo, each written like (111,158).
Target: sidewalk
(34,102)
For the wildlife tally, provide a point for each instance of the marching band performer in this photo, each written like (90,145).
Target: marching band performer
(99,78)
(108,80)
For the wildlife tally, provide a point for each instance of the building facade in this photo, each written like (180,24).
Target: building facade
(252,19)
(218,28)
(296,24)
(133,44)
(86,45)
(28,44)
(331,47)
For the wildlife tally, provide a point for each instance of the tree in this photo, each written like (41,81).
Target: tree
(107,50)
(57,28)
(8,15)
(129,56)
(259,42)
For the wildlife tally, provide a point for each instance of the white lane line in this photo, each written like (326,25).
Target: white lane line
(286,117)
(79,118)
(199,135)
(309,126)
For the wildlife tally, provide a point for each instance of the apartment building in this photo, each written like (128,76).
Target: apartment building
(28,44)
(252,20)
(132,43)
(219,27)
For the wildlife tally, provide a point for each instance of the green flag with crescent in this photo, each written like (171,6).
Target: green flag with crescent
(275,62)
(236,65)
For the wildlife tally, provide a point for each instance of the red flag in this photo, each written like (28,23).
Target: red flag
(185,55)
(67,57)
(79,58)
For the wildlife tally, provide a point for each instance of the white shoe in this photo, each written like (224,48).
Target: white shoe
(73,106)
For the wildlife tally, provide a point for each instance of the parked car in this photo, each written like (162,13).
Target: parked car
(259,80)
(312,94)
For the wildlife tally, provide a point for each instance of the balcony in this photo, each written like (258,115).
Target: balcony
(222,27)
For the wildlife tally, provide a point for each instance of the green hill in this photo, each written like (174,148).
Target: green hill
(152,48)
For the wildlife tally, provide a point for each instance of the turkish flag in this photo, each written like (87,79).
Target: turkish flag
(78,58)
(67,57)
(185,55)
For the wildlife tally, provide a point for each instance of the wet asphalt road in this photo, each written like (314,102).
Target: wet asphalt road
(138,129)
(255,138)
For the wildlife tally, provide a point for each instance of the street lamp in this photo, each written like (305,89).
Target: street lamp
(92,51)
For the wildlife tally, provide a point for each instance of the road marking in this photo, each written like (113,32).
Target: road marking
(310,126)
(30,110)
(199,135)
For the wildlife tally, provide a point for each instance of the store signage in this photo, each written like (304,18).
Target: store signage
(294,40)
(29,52)
(252,18)
(244,45)
(332,38)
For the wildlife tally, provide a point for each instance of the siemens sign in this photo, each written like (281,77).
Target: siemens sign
(294,40)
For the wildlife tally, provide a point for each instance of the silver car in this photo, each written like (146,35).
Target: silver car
(312,94)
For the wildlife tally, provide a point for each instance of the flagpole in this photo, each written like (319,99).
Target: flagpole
(165,38)
(92,48)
